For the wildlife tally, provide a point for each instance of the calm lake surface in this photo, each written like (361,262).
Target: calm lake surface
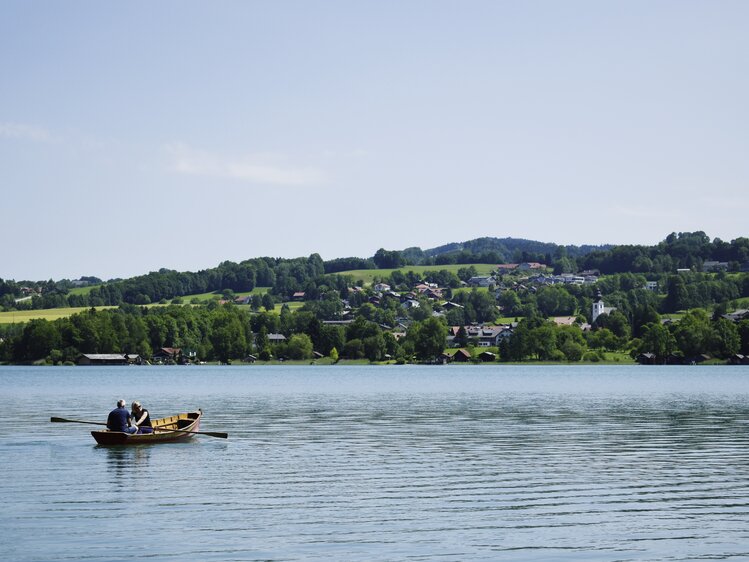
(381,463)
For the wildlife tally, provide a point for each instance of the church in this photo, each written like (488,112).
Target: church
(599,308)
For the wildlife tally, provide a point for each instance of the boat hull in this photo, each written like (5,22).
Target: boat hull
(166,430)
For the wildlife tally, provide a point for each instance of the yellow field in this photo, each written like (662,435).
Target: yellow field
(21,316)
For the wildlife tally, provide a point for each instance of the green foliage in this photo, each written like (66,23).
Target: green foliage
(726,338)
(572,350)
(594,357)
(657,339)
(385,259)
(428,338)
(555,301)
(299,347)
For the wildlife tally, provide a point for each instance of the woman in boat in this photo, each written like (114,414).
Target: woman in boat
(141,418)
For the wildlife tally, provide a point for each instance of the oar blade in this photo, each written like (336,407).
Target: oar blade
(64,420)
(216,434)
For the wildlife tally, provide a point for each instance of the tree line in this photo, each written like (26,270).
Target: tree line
(227,332)
(215,333)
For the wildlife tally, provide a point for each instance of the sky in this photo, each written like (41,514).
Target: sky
(181,134)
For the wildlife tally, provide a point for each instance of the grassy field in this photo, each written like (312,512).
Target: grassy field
(205,297)
(83,290)
(368,275)
(470,289)
(21,316)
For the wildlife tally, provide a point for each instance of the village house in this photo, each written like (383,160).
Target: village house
(102,359)
(481,281)
(714,266)
(461,356)
(737,315)
(526,266)
(337,322)
(738,359)
(433,294)
(506,268)
(564,320)
(483,336)
(571,279)
(166,355)
(424,288)
(569,321)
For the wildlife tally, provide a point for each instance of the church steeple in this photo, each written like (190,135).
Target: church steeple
(598,307)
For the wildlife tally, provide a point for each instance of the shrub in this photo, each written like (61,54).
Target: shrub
(592,356)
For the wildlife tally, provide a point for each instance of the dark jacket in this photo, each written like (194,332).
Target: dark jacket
(117,420)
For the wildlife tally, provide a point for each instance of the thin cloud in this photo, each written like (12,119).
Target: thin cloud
(25,132)
(252,168)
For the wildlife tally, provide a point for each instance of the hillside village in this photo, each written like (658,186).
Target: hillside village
(465,342)
(490,335)
(667,304)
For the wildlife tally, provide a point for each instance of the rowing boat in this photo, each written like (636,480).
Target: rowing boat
(165,430)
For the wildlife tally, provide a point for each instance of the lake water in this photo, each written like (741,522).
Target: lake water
(410,463)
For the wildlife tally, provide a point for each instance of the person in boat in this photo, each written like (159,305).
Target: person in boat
(119,419)
(142,419)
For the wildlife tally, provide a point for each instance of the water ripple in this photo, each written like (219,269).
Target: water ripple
(404,464)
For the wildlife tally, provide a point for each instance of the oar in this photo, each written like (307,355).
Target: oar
(211,433)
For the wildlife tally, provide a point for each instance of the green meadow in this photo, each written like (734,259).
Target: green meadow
(83,290)
(216,295)
(21,316)
(369,275)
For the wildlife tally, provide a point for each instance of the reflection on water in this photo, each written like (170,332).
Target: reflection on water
(401,464)
(125,463)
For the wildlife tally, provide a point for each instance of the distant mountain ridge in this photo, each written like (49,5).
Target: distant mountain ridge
(495,250)
(508,246)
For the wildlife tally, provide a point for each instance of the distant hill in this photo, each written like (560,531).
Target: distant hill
(510,246)
(497,250)
(286,277)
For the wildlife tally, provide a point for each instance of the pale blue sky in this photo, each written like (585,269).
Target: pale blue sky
(139,135)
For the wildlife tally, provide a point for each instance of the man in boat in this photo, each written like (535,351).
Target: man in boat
(119,419)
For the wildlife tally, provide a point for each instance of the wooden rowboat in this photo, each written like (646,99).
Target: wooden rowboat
(165,430)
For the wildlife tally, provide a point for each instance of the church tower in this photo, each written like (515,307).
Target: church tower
(597,306)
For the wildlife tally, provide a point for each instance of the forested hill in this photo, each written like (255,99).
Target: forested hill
(479,250)
(312,275)
(511,249)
